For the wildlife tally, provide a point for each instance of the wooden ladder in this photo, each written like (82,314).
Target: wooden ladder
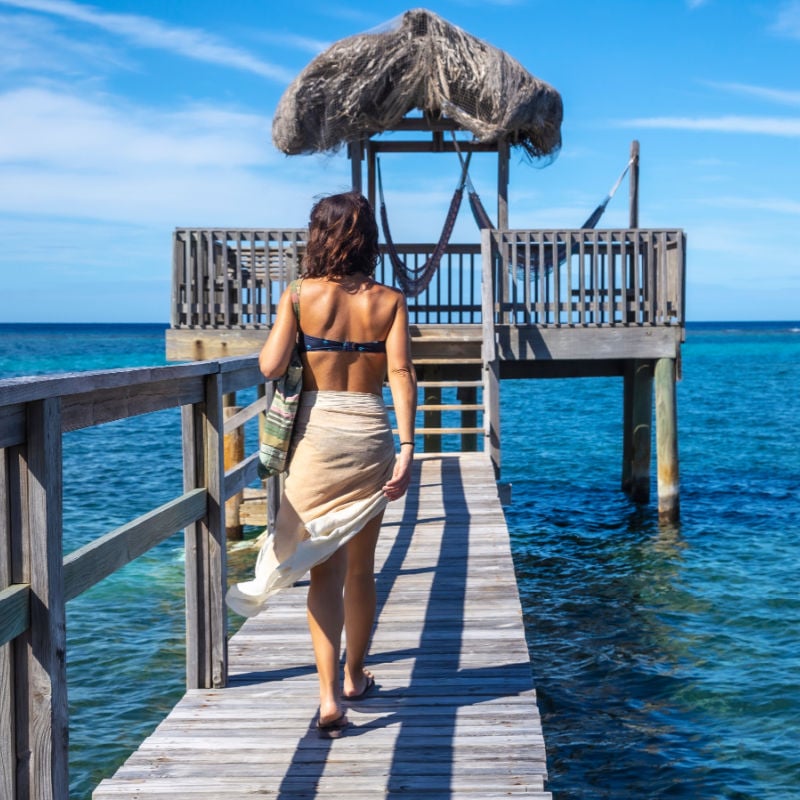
(450,398)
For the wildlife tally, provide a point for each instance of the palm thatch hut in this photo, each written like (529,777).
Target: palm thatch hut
(369,83)
(366,84)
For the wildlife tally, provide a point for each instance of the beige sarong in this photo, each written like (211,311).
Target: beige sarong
(342,455)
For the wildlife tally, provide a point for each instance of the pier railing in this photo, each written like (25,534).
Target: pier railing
(233,278)
(36,580)
(586,277)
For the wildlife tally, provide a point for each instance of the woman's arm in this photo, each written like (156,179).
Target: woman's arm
(403,385)
(273,360)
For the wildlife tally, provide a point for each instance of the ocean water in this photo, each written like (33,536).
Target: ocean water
(666,657)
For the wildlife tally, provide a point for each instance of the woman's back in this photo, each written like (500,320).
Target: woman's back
(338,315)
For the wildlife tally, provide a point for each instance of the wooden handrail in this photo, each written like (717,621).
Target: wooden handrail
(36,581)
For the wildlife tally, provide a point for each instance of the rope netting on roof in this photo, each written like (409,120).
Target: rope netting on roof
(365,84)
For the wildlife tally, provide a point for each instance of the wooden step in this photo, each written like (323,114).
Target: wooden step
(442,431)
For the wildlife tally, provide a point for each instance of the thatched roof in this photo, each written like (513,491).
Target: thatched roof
(366,84)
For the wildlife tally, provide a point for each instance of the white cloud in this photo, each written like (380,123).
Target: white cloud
(772,204)
(768,126)
(98,158)
(30,44)
(787,23)
(148,32)
(782,96)
(291,40)
(43,126)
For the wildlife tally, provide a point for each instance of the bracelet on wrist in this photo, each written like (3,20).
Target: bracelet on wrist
(402,443)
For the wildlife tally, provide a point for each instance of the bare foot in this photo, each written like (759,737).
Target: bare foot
(356,692)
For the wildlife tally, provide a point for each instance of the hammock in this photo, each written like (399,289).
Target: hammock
(414,280)
(483,220)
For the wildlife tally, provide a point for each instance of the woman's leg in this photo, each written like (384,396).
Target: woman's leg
(325,618)
(359,603)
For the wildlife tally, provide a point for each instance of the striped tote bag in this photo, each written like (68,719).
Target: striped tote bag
(277,424)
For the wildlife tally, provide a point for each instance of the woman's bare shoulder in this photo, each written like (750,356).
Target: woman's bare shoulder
(389,292)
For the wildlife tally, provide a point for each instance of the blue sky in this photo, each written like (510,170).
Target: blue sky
(120,121)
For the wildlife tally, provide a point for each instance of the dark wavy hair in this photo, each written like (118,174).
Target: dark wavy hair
(342,237)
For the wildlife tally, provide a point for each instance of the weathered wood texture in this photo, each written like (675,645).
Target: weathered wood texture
(36,580)
(206,639)
(231,279)
(455,713)
(591,277)
(667,440)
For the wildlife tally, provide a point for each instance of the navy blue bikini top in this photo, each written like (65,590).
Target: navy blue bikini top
(309,344)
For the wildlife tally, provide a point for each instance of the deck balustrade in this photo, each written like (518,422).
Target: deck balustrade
(225,279)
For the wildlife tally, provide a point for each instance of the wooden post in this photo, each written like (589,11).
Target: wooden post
(234,454)
(503,157)
(8,754)
(667,441)
(432,395)
(355,151)
(634,185)
(641,431)
(41,711)
(468,395)
(371,187)
(206,617)
(627,423)
(491,363)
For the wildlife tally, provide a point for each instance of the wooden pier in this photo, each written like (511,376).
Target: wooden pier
(455,713)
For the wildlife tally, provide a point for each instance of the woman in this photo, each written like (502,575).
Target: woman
(352,333)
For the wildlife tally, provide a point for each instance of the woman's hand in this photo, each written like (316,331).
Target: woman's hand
(398,484)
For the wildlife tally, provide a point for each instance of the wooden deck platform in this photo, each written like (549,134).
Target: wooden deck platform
(455,713)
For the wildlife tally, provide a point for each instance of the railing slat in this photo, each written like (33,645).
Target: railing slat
(241,475)
(98,559)
(14,620)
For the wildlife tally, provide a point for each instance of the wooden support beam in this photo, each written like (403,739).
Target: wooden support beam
(206,616)
(489,355)
(234,454)
(8,756)
(639,430)
(41,712)
(503,157)
(432,395)
(634,185)
(468,397)
(355,151)
(667,440)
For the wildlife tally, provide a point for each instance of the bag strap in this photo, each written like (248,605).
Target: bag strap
(295,288)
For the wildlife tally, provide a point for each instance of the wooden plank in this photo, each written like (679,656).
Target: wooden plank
(240,476)
(237,420)
(431,431)
(40,387)
(107,405)
(12,425)
(47,720)
(98,559)
(206,545)
(14,620)
(454,714)
(522,343)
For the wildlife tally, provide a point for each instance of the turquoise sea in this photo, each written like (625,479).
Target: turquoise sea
(667,658)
